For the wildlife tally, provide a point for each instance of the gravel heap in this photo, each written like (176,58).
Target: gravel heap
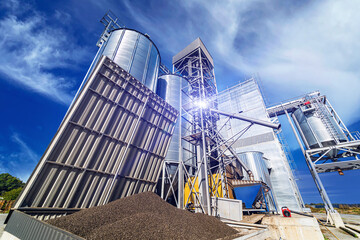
(142,216)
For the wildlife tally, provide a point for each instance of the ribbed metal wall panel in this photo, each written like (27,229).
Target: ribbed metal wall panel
(136,54)
(26,227)
(110,145)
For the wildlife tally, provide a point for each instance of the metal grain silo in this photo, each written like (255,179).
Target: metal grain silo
(317,128)
(161,87)
(256,163)
(135,53)
(169,88)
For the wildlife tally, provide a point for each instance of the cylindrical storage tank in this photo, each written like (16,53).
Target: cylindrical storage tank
(313,130)
(161,87)
(135,53)
(169,88)
(256,163)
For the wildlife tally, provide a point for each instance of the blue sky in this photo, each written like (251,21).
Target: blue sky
(295,46)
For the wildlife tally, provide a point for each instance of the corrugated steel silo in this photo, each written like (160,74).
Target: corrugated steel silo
(161,87)
(169,87)
(317,129)
(255,161)
(135,53)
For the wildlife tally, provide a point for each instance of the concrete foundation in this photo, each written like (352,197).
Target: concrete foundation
(8,236)
(335,219)
(256,235)
(295,228)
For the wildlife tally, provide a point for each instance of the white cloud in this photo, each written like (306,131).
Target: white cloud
(317,49)
(25,150)
(295,47)
(21,161)
(31,50)
(63,17)
(163,31)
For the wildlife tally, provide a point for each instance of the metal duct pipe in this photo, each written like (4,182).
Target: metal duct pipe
(248,119)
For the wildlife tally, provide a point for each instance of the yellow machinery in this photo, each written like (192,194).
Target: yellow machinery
(215,189)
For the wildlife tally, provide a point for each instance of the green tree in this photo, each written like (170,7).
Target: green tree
(8,182)
(12,194)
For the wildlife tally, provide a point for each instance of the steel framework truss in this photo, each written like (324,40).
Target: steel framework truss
(342,155)
(207,161)
(221,160)
(200,132)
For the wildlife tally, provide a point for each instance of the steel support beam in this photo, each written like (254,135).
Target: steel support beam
(309,163)
(295,133)
(318,183)
(338,146)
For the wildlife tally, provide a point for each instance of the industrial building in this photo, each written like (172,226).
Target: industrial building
(247,99)
(135,126)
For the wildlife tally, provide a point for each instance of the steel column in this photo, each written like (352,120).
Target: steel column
(318,183)
(295,133)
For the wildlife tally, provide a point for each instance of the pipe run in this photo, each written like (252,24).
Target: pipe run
(248,119)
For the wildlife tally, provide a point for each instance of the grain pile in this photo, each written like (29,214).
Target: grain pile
(142,216)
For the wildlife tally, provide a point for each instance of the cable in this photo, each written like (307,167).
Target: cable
(326,228)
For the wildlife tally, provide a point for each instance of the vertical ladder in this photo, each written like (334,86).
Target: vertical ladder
(325,118)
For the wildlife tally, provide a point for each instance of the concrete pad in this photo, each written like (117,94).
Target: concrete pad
(256,235)
(340,234)
(296,227)
(354,227)
(2,220)
(347,218)
(335,219)
(8,236)
(351,219)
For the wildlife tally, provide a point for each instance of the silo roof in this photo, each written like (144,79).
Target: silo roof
(197,43)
